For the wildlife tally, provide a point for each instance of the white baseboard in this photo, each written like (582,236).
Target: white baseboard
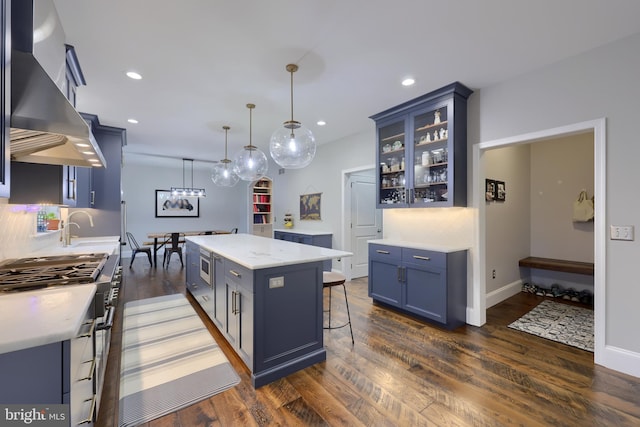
(621,360)
(507,291)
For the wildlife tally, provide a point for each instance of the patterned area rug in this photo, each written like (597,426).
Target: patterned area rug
(169,360)
(559,322)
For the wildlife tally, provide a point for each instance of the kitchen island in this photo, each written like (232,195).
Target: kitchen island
(265,297)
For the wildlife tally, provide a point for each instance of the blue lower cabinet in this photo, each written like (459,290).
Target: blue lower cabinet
(271,317)
(429,284)
(315,239)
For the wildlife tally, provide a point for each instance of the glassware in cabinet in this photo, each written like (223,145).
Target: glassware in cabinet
(431,153)
(392,157)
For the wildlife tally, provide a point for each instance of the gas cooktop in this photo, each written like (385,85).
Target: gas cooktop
(39,272)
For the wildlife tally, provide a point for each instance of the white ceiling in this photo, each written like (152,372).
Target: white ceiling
(202,61)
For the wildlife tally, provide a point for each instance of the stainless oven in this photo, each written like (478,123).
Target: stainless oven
(206,267)
(108,286)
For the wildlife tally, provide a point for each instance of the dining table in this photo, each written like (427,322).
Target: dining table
(160,239)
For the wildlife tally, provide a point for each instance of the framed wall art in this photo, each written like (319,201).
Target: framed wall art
(310,206)
(501,191)
(169,206)
(490,190)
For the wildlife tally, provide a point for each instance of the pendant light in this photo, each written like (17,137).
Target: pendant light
(292,146)
(250,164)
(223,174)
(187,191)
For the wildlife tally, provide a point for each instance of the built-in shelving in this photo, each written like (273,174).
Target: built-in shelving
(261,207)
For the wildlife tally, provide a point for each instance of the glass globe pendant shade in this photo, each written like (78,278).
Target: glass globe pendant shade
(223,174)
(250,164)
(292,146)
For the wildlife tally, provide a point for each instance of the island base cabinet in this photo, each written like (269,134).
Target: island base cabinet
(271,317)
(288,320)
(220,294)
(431,285)
(239,310)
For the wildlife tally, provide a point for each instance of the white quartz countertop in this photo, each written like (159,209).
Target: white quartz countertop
(255,252)
(82,245)
(34,318)
(302,231)
(438,247)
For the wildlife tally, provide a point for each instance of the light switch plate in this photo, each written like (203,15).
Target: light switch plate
(622,232)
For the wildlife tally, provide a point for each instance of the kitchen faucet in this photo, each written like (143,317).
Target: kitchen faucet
(67,229)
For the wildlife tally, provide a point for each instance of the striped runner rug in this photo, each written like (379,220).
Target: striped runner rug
(169,360)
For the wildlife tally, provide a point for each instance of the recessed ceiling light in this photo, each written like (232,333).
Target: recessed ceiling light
(408,81)
(134,121)
(94,160)
(321,123)
(133,75)
(82,144)
(89,153)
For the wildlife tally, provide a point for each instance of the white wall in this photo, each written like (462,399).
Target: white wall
(507,224)
(560,169)
(323,175)
(223,209)
(599,83)
(542,181)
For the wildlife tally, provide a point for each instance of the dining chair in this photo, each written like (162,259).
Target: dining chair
(136,248)
(172,244)
(234,230)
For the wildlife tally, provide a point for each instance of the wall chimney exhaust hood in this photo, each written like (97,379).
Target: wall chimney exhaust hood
(45,127)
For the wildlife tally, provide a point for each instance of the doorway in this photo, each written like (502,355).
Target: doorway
(477,312)
(361,220)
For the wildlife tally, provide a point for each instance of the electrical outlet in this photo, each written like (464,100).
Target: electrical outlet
(276,282)
(493,273)
(621,232)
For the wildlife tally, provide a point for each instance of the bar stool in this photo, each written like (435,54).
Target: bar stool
(329,280)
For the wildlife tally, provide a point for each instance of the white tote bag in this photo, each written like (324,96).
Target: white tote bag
(583,208)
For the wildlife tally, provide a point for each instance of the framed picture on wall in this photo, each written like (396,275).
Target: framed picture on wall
(501,191)
(310,206)
(490,190)
(169,206)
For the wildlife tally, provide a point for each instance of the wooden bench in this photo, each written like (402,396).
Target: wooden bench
(562,265)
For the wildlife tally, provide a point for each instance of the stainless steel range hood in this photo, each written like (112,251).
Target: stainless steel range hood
(45,127)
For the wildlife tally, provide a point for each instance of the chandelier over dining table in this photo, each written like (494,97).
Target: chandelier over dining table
(184,190)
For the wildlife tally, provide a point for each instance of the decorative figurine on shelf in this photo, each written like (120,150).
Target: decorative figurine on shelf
(428,137)
(288,220)
(436,117)
(435,135)
(443,133)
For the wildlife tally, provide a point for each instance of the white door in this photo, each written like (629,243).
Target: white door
(366,222)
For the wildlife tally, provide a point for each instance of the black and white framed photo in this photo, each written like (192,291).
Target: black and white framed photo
(170,206)
(501,191)
(490,190)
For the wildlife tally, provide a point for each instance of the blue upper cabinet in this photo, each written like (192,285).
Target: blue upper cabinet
(421,150)
(5,96)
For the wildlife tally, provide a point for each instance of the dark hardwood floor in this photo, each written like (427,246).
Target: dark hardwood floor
(403,372)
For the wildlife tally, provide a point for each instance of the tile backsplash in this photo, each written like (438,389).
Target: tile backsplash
(18,232)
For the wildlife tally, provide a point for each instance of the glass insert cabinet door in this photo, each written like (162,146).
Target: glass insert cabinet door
(431,156)
(392,156)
